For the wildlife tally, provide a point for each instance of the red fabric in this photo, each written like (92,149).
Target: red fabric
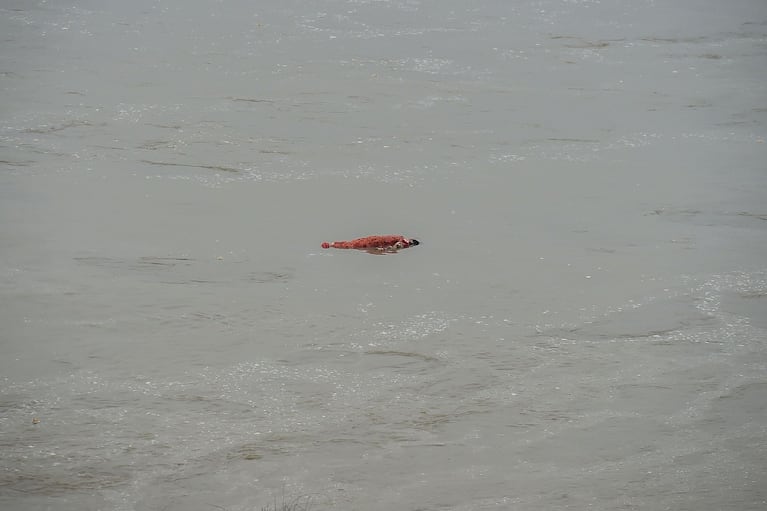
(370,242)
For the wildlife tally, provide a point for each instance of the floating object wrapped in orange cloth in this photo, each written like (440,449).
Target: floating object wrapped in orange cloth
(386,243)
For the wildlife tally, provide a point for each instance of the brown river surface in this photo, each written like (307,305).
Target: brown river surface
(584,325)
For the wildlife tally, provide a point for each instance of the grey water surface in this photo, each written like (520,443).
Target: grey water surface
(583,326)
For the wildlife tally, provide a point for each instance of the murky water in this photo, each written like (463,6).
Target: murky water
(582,327)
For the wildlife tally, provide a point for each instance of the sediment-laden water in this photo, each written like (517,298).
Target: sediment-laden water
(582,327)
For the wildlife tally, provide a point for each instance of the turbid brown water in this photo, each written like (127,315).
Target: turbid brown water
(582,327)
